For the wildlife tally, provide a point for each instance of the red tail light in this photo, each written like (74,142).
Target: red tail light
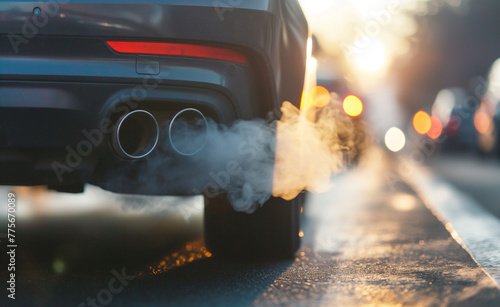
(185,50)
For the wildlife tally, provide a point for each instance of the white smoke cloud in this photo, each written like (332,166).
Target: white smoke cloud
(308,152)
(251,161)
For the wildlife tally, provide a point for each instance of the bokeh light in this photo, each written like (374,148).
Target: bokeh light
(482,122)
(59,266)
(453,126)
(444,104)
(395,139)
(422,122)
(321,96)
(404,202)
(436,128)
(353,106)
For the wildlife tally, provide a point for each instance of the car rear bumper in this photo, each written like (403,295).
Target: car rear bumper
(60,81)
(46,118)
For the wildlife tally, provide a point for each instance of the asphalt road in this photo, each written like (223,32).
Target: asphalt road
(368,242)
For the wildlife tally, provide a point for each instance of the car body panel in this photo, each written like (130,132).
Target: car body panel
(274,32)
(59,78)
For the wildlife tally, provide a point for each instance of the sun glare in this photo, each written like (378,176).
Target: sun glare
(370,58)
(367,35)
(317,7)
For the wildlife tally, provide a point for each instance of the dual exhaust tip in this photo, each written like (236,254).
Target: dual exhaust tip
(137,134)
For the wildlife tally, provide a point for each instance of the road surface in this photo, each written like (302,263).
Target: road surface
(370,241)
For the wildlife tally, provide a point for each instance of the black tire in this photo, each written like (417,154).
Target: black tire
(270,232)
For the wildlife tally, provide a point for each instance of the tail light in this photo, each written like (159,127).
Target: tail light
(183,50)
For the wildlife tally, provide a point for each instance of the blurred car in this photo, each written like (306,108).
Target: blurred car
(487,117)
(86,88)
(330,77)
(329,74)
(496,122)
(456,112)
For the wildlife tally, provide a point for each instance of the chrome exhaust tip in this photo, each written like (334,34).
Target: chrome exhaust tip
(188,132)
(136,135)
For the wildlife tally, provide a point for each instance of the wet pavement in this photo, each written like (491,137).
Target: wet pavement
(367,242)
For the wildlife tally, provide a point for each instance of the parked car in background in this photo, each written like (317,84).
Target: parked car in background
(456,112)
(487,117)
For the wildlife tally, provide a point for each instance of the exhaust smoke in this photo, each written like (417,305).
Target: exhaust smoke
(251,161)
(188,124)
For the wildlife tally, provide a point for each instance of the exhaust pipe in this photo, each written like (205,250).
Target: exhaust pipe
(136,135)
(188,132)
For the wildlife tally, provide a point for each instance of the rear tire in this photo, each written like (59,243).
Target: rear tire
(270,232)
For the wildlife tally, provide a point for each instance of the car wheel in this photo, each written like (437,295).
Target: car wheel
(272,231)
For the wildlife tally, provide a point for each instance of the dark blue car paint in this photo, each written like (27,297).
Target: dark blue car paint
(62,78)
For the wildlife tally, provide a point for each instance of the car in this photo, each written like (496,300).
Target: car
(496,123)
(455,109)
(487,117)
(88,88)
